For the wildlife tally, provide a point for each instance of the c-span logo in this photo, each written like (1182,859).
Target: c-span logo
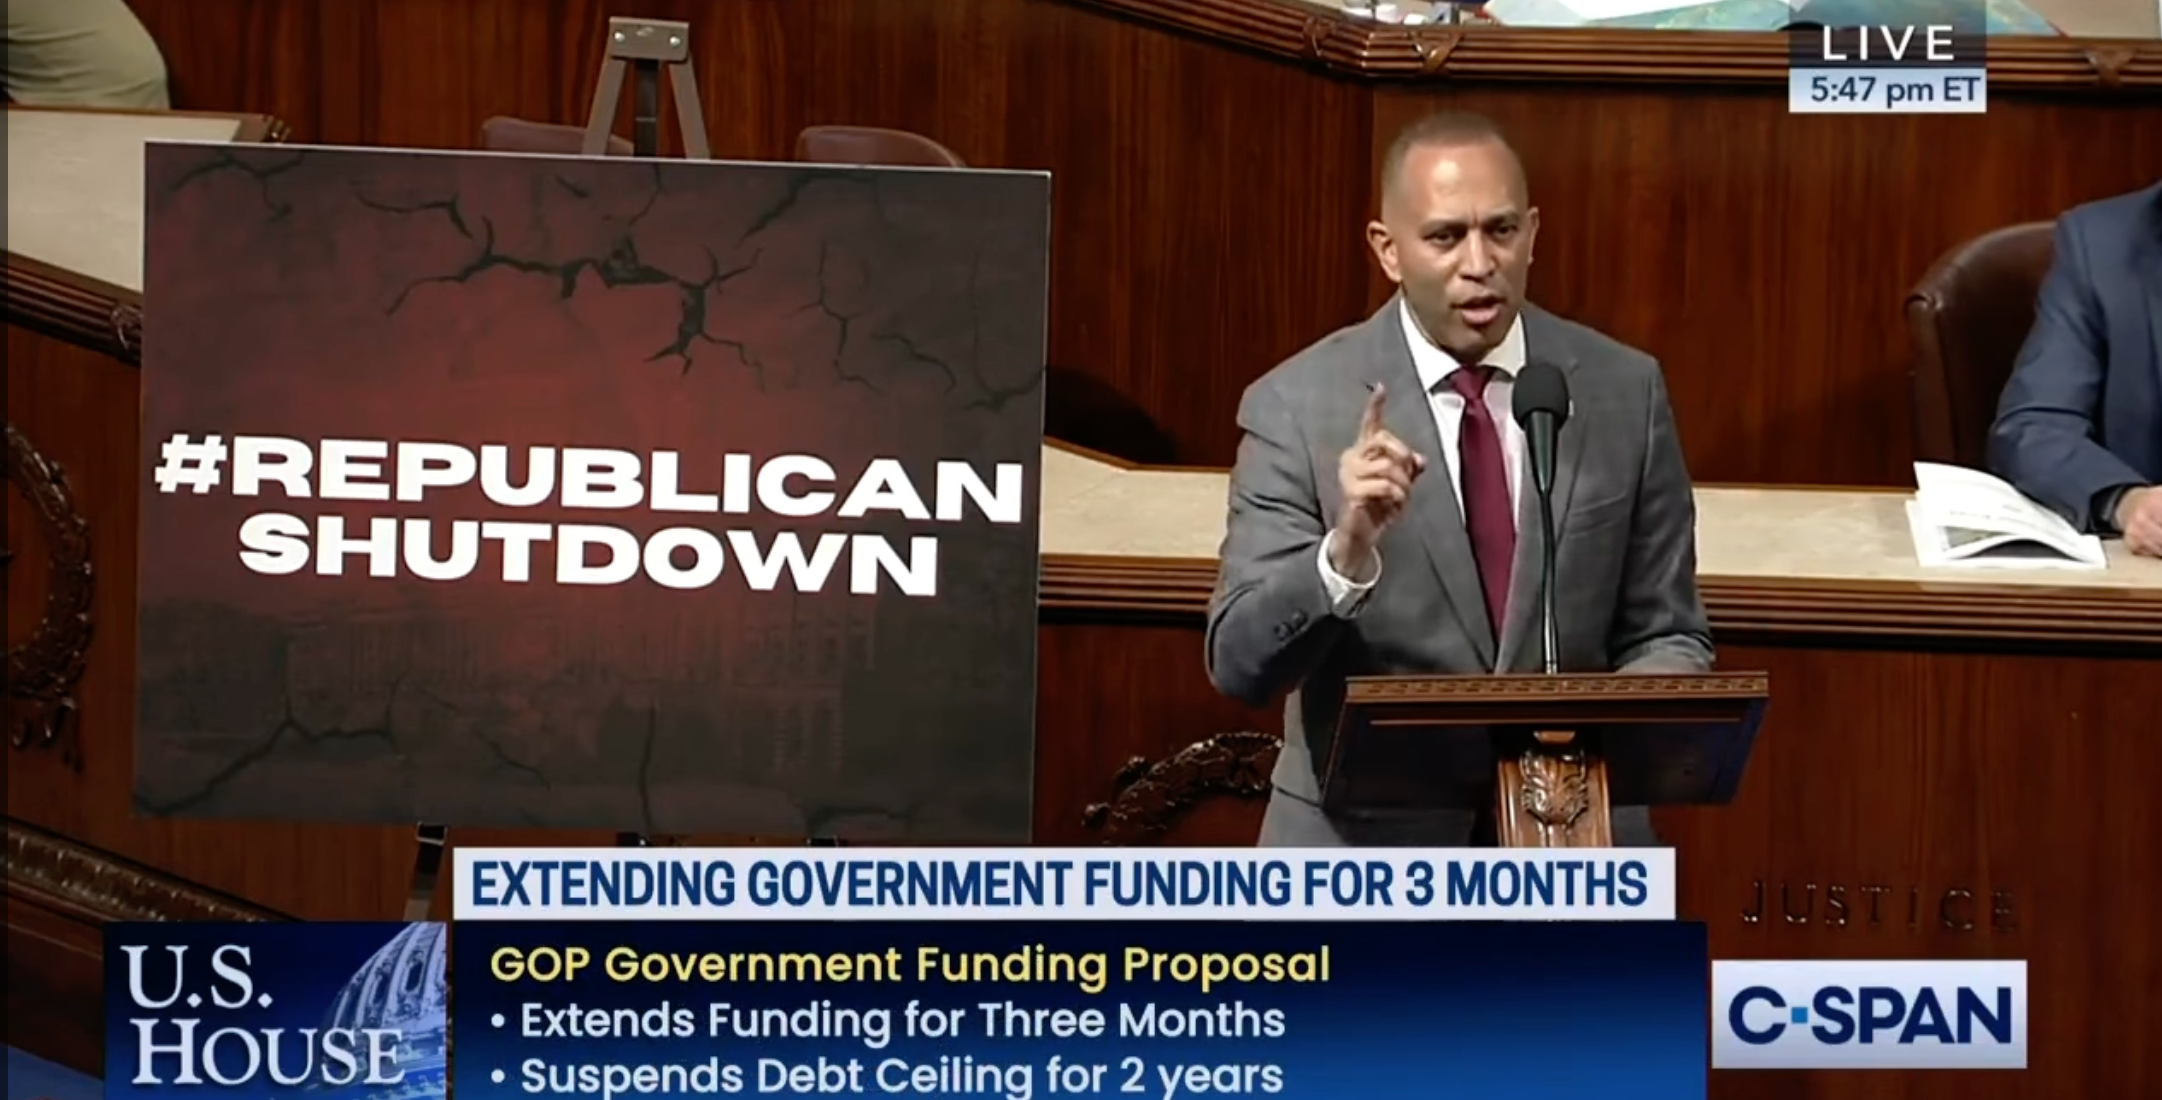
(1869,1014)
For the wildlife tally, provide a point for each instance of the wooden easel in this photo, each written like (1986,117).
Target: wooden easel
(646,46)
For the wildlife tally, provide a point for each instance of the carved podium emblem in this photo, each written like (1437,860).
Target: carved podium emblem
(1553,796)
(1557,788)
(44,667)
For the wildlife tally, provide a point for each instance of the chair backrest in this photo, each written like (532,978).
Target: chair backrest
(870,145)
(516,135)
(1966,320)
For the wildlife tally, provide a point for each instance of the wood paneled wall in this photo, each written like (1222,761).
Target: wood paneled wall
(1765,257)
(1210,194)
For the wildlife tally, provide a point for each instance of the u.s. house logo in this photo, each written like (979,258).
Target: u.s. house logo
(239,1011)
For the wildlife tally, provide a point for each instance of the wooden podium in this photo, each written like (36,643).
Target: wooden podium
(1551,755)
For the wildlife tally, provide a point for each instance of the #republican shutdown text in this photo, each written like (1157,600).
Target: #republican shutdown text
(671,552)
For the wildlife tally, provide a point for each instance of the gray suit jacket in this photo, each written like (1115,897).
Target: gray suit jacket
(1624,513)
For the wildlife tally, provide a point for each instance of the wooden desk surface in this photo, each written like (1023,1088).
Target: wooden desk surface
(75,185)
(1818,560)
(75,211)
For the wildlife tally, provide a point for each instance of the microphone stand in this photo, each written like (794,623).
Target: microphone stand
(1547,630)
(1542,429)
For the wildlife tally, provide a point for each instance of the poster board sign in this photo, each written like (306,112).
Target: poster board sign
(659,496)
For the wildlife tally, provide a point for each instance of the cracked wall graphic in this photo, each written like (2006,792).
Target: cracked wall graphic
(699,307)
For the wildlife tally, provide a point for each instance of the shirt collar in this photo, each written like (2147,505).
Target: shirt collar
(1434,364)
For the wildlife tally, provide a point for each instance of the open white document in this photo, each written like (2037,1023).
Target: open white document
(1964,517)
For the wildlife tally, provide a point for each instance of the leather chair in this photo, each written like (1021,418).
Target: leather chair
(516,135)
(1967,319)
(870,145)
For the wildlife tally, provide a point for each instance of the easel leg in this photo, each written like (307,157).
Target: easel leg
(427,866)
(690,117)
(1553,794)
(602,118)
(646,107)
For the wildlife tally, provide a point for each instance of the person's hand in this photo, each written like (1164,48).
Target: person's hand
(1375,474)
(2139,516)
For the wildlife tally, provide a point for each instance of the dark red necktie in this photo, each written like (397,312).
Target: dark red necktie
(1485,477)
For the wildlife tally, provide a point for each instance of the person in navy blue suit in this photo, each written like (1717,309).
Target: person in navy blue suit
(2080,425)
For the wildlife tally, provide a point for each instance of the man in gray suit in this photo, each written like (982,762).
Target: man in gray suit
(1382,481)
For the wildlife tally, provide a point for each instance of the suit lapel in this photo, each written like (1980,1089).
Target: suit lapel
(1521,644)
(2151,278)
(1433,519)
(2154,309)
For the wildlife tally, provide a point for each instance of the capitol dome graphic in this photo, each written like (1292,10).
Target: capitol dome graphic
(404,988)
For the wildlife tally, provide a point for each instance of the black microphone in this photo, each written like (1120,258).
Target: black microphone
(1540,403)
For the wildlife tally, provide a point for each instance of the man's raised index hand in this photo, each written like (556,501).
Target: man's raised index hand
(1374,475)
(1370,420)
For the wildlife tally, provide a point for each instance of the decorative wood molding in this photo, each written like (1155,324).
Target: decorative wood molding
(61,875)
(60,896)
(1974,612)
(1877,609)
(1588,688)
(1365,49)
(1086,583)
(1151,798)
(73,308)
(44,668)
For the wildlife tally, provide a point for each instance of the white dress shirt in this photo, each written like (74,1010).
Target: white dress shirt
(1434,366)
